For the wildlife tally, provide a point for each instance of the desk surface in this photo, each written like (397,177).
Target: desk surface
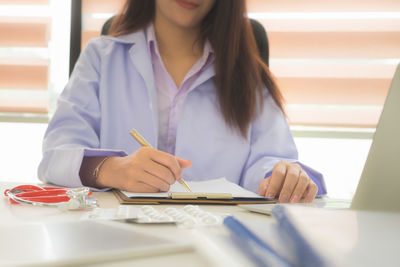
(212,246)
(205,252)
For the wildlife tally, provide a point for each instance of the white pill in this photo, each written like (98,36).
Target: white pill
(170,211)
(209,220)
(201,215)
(188,207)
(152,214)
(192,211)
(159,216)
(195,213)
(180,217)
(165,218)
(174,213)
(147,208)
(147,211)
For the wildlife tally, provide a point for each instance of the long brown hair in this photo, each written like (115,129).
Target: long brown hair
(240,74)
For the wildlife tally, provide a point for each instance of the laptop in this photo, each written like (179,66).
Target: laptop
(379,185)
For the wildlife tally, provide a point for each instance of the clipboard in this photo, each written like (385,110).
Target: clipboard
(192,198)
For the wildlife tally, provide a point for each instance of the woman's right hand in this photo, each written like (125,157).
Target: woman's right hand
(146,170)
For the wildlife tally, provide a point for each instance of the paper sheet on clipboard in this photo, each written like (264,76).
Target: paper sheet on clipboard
(220,185)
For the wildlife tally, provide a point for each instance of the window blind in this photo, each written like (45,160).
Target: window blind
(333,60)
(95,13)
(24,62)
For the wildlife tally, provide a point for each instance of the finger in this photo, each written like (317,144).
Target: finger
(292,176)
(149,179)
(159,171)
(300,188)
(184,163)
(277,178)
(310,193)
(168,161)
(262,187)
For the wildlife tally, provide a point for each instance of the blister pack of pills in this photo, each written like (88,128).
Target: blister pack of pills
(188,216)
(120,213)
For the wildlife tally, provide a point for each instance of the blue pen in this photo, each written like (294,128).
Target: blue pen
(254,247)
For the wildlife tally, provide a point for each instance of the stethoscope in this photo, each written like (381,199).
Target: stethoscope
(58,197)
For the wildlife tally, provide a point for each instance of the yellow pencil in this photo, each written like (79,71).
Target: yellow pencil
(143,142)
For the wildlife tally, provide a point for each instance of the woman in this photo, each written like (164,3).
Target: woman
(186,74)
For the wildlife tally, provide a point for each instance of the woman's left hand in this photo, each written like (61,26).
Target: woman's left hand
(288,183)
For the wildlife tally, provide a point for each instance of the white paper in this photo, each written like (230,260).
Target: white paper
(220,185)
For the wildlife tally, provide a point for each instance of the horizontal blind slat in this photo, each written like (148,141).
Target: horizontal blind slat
(321,116)
(323,6)
(335,44)
(24,106)
(333,91)
(368,24)
(101,6)
(33,77)
(24,33)
(24,2)
(323,68)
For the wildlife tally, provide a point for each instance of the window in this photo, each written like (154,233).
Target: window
(34,55)
(94,14)
(334,60)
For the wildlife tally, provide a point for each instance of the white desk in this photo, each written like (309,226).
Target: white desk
(204,252)
(213,246)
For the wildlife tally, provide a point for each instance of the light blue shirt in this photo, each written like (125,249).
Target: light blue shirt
(112,90)
(170,97)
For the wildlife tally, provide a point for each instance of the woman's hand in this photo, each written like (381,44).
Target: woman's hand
(146,170)
(289,183)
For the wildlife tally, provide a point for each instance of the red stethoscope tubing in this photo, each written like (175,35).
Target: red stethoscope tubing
(46,194)
(31,188)
(50,199)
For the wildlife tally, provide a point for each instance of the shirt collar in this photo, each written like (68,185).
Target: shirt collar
(208,52)
(151,39)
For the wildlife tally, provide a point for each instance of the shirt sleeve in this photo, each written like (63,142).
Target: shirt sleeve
(74,130)
(270,142)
